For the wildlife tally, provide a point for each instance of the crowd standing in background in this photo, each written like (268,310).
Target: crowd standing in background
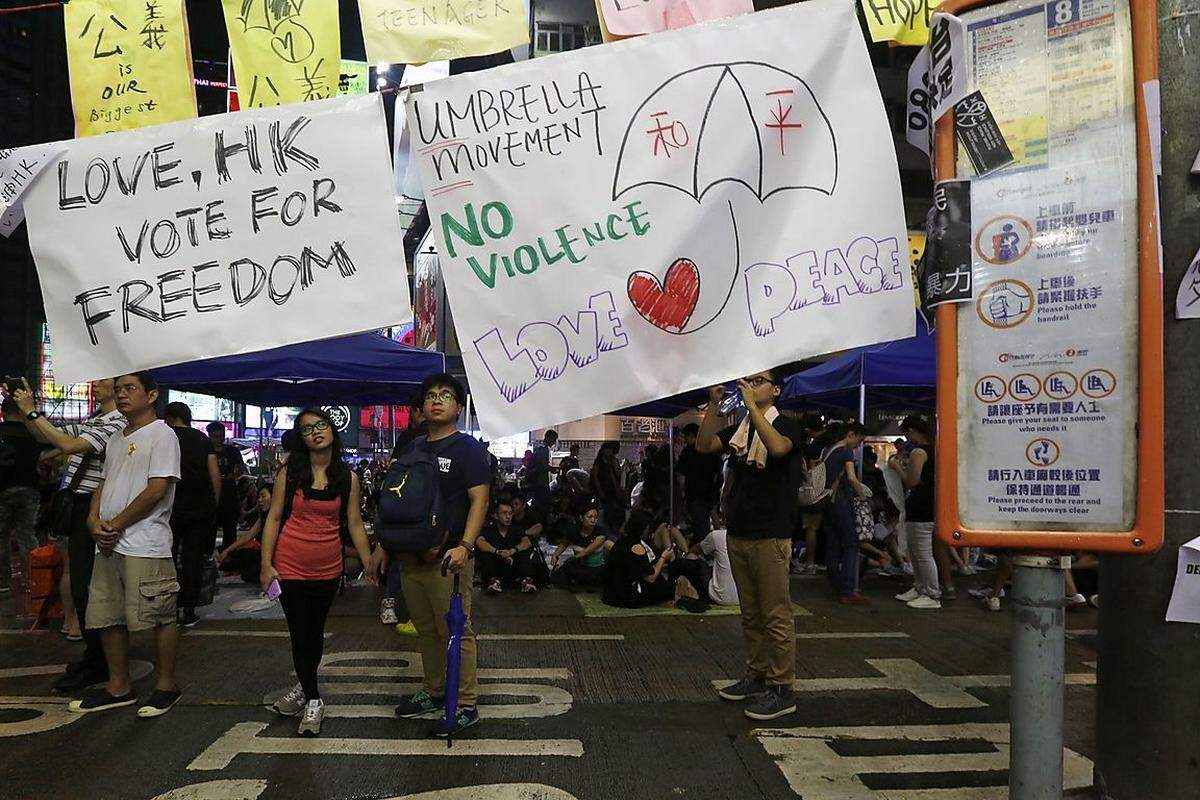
(140,502)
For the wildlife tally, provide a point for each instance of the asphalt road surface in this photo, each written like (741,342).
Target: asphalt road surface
(895,704)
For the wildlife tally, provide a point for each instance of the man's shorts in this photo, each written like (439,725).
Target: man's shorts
(130,591)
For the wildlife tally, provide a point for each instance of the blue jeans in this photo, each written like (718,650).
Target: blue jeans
(841,548)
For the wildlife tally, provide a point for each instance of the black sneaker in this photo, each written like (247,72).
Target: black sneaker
(418,705)
(80,679)
(188,618)
(465,718)
(161,701)
(100,700)
(779,701)
(747,687)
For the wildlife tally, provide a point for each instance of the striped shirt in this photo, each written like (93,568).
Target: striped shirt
(97,431)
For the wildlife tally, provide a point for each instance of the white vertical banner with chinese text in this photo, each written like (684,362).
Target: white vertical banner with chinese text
(623,223)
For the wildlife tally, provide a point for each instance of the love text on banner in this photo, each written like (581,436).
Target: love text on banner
(130,63)
(705,203)
(418,31)
(227,234)
(284,52)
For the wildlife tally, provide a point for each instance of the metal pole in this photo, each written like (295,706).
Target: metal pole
(1035,770)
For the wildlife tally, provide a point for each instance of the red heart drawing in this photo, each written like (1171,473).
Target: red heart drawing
(669,305)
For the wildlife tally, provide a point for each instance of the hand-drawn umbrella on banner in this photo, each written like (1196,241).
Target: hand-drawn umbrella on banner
(744,122)
(456,623)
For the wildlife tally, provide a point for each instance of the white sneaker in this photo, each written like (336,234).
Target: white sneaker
(992,603)
(310,723)
(924,602)
(291,703)
(909,596)
(1076,601)
(387,611)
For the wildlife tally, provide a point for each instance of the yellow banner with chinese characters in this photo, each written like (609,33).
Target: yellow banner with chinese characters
(418,31)
(900,21)
(130,62)
(284,51)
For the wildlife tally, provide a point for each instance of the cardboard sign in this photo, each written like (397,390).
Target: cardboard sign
(947,274)
(918,125)
(130,63)
(1187,297)
(418,31)
(901,21)
(284,52)
(979,134)
(947,64)
(19,167)
(708,202)
(227,234)
(634,17)
(1185,598)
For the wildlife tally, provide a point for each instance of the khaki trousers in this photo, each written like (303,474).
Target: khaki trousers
(427,595)
(760,570)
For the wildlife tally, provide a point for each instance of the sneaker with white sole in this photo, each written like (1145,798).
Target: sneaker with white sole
(314,714)
(924,602)
(291,703)
(992,603)
(387,611)
(748,687)
(776,702)
(1076,602)
(909,596)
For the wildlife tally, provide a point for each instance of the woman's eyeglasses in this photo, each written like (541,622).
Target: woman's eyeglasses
(308,430)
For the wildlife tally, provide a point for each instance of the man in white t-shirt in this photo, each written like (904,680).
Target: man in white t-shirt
(721,588)
(134,585)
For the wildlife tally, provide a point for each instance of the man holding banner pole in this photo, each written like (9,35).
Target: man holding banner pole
(761,514)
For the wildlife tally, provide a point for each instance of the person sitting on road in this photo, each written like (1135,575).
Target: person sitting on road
(706,566)
(505,553)
(634,576)
(586,567)
(244,556)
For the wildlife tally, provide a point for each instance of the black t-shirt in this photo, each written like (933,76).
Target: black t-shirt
(700,472)
(835,467)
(538,474)
(194,491)
(918,507)
(625,572)
(463,465)
(530,518)
(18,460)
(763,503)
(503,540)
(567,464)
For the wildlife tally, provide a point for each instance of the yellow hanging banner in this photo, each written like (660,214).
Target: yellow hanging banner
(130,62)
(900,21)
(284,51)
(418,31)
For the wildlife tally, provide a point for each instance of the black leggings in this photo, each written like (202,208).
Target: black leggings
(306,605)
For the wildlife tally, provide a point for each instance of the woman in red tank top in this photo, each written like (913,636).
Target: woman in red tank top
(316,496)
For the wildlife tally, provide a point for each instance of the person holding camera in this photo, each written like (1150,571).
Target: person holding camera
(84,443)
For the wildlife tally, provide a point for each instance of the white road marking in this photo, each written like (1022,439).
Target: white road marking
(499,791)
(549,701)
(816,772)
(217,790)
(260,634)
(904,674)
(243,739)
(851,635)
(51,713)
(551,637)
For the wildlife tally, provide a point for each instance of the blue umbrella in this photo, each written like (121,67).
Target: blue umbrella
(456,622)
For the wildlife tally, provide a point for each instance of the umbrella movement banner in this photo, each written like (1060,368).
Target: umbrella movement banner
(418,31)
(623,223)
(130,64)
(227,234)
(283,53)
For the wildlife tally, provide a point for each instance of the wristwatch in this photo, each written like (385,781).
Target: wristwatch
(470,548)
(32,415)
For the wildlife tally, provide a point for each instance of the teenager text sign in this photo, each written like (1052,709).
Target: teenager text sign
(624,223)
(221,235)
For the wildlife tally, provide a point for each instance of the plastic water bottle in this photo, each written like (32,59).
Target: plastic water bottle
(22,602)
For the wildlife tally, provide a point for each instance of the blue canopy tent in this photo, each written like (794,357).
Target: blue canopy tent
(899,375)
(365,369)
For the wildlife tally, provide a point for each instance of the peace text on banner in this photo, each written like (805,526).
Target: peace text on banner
(130,63)
(710,202)
(227,234)
(284,52)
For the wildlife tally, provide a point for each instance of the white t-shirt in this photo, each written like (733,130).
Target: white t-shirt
(129,463)
(721,587)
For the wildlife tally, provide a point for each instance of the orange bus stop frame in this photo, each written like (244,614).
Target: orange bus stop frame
(1147,532)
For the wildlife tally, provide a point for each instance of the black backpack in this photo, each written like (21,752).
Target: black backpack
(410,517)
